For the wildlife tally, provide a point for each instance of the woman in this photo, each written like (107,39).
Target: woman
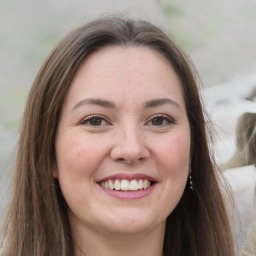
(245,155)
(245,142)
(113,156)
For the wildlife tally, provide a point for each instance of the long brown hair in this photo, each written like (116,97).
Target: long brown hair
(37,222)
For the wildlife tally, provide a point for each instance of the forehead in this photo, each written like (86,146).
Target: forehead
(126,72)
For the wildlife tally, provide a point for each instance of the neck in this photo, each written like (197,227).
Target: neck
(91,243)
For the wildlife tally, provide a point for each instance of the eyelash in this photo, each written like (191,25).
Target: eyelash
(163,118)
(90,118)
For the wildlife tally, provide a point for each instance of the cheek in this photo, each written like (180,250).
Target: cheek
(174,153)
(77,160)
(77,155)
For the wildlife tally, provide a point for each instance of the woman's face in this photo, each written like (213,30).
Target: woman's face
(123,142)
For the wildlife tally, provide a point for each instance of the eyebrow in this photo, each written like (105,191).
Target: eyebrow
(160,102)
(98,102)
(110,104)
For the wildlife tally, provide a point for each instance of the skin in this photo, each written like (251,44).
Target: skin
(134,133)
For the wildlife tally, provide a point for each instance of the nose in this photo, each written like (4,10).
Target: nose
(129,146)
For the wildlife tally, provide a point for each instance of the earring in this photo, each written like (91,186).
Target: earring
(190,182)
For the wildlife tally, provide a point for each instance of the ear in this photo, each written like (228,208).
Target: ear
(55,173)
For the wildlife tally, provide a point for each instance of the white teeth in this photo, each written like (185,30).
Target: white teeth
(140,184)
(111,184)
(117,185)
(134,185)
(106,184)
(126,185)
(145,184)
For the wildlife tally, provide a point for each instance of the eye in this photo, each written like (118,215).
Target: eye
(160,120)
(94,121)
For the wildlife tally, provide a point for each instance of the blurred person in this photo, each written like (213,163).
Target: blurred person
(245,155)
(250,245)
(245,142)
(252,96)
(113,157)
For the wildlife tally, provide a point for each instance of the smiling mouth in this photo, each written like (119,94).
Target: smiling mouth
(126,185)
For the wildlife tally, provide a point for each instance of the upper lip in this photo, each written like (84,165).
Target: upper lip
(127,176)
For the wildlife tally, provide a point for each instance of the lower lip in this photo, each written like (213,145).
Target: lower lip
(129,195)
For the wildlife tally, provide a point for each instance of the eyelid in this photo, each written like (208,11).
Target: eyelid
(90,117)
(86,119)
(164,116)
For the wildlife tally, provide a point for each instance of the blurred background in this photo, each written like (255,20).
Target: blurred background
(219,36)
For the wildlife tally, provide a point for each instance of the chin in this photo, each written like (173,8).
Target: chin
(131,223)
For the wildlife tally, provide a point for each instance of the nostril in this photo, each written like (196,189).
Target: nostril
(129,160)
(129,152)
(120,159)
